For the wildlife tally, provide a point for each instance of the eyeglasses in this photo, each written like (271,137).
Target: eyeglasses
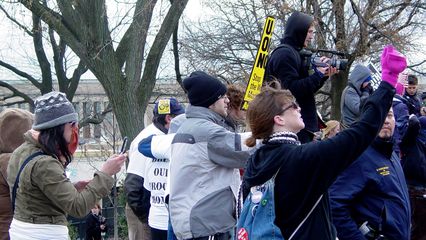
(293,105)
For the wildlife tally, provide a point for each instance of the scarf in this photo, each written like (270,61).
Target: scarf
(282,137)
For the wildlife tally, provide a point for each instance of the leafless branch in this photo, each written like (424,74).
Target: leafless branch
(16,93)
(23,74)
(21,26)
(95,118)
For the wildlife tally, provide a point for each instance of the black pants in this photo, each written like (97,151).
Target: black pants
(218,236)
(418,213)
(157,234)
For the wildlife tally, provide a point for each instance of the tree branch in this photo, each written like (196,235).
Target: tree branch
(362,19)
(96,118)
(16,93)
(75,79)
(137,37)
(55,20)
(26,30)
(176,57)
(18,72)
(160,42)
(46,82)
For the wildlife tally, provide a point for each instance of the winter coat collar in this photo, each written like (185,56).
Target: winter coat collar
(383,146)
(282,137)
(265,162)
(205,113)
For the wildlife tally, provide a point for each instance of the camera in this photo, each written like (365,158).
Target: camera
(370,233)
(313,58)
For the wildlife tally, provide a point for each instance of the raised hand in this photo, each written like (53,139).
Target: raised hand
(393,63)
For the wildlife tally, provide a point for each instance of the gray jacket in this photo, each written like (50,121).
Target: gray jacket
(353,95)
(205,154)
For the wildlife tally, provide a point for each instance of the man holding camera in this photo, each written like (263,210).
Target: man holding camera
(286,63)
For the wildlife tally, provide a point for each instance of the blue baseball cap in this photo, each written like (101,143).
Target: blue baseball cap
(168,106)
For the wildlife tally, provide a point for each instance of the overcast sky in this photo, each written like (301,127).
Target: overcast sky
(16,47)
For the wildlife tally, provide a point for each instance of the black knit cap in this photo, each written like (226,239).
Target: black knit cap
(203,90)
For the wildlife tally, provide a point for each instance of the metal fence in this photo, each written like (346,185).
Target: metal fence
(79,224)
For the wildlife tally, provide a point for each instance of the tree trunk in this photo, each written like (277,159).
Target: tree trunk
(340,80)
(339,83)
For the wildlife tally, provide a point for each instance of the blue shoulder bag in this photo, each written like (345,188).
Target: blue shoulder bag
(256,221)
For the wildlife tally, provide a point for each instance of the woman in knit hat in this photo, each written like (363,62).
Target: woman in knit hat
(42,195)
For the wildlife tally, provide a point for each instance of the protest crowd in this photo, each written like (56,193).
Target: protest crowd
(211,170)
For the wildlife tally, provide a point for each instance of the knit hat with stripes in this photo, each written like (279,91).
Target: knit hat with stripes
(53,109)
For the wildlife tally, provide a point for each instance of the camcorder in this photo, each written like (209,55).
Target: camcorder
(312,58)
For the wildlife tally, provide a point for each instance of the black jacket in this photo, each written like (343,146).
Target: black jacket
(413,149)
(137,196)
(285,64)
(307,171)
(93,227)
(413,103)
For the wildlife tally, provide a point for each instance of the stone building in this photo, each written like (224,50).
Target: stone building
(97,141)
(89,100)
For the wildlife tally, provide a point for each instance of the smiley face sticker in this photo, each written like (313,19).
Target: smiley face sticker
(164,106)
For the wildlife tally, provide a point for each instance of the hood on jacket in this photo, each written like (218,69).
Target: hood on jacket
(262,165)
(296,29)
(358,75)
(14,123)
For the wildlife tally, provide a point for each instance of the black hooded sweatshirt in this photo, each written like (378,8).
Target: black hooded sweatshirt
(307,170)
(285,64)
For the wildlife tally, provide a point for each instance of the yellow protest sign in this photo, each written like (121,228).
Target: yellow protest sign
(258,71)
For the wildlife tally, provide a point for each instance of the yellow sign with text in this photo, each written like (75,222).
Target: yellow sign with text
(258,71)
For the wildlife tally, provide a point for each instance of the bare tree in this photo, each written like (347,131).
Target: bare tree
(68,85)
(226,44)
(127,71)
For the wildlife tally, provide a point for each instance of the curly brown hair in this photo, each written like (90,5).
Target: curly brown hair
(235,94)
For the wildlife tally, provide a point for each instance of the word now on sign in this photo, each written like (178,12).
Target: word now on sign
(258,71)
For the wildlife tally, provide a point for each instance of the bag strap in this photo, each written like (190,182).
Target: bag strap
(240,197)
(303,221)
(281,45)
(15,186)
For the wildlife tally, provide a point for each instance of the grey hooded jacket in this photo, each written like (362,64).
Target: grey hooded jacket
(353,95)
(202,201)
